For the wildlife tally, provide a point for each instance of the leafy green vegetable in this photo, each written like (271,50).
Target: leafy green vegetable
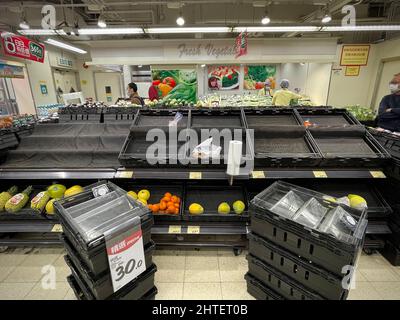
(230,81)
(362,113)
(260,73)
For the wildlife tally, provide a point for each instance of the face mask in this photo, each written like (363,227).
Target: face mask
(394,87)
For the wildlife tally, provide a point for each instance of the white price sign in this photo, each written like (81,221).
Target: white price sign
(126,257)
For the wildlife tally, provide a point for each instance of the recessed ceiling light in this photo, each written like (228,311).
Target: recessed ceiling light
(326,19)
(265,20)
(102,23)
(180,21)
(24,25)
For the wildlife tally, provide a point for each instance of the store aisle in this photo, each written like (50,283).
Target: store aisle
(205,274)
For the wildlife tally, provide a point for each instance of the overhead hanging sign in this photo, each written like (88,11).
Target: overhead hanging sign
(10,71)
(21,47)
(355,55)
(241,44)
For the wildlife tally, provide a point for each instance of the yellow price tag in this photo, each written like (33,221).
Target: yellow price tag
(258,175)
(175,229)
(57,228)
(193,230)
(377,174)
(320,174)
(125,174)
(195,175)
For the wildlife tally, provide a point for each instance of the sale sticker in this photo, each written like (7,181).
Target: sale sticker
(125,253)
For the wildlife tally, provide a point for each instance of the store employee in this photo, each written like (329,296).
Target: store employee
(389,108)
(134,95)
(283,97)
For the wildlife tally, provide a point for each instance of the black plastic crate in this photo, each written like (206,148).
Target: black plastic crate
(134,290)
(8,140)
(84,294)
(284,146)
(217,118)
(302,271)
(350,146)
(259,291)
(325,117)
(157,192)
(95,271)
(391,252)
(377,205)
(134,150)
(159,118)
(85,117)
(271,117)
(221,138)
(209,197)
(279,282)
(304,239)
(389,141)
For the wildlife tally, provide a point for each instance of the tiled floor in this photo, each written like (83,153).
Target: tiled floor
(204,274)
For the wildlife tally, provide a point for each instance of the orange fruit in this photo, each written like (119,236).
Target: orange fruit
(178,200)
(170,204)
(176,210)
(166,199)
(168,195)
(174,199)
(171,210)
(156,207)
(176,205)
(150,206)
(163,205)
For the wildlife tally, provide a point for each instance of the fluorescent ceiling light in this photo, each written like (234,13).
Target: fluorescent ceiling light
(98,31)
(265,20)
(24,25)
(277,29)
(180,21)
(65,46)
(326,19)
(189,30)
(362,28)
(41,32)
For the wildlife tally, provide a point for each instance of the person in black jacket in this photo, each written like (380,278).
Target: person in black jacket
(389,108)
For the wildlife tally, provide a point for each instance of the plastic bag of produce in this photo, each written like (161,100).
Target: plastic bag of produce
(206,149)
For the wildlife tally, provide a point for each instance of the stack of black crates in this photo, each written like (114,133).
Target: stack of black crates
(302,245)
(85,218)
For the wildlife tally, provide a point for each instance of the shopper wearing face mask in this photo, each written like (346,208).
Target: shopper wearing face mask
(389,108)
(134,95)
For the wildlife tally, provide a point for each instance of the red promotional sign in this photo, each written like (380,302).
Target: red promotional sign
(241,44)
(21,47)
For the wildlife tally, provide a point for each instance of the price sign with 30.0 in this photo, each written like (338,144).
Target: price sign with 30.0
(126,256)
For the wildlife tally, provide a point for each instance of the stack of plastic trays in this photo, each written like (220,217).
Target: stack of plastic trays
(303,245)
(85,218)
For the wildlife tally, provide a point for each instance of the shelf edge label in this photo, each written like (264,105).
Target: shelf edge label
(258,174)
(175,229)
(320,174)
(195,175)
(377,174)
(193,230)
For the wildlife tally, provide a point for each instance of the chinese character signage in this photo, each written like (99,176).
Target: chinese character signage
(354,55)
(241,44)
(21,47)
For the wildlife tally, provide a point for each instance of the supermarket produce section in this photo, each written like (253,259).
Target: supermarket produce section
(323,149)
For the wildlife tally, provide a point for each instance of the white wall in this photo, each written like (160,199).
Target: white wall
(23,95)
(317,85)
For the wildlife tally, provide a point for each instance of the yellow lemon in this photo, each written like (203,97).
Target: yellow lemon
(238,206)
(195,208)
(133,194)
(224,208)
(144,194)
(143,201)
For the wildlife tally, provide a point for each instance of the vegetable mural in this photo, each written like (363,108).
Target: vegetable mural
(255,76)
(223,77)
(176,85)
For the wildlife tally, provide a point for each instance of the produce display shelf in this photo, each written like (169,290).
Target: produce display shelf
(200,227)
(257,173)
(28,226)
(51,174)
(378,227)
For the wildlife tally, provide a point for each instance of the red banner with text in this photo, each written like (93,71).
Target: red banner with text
(21,47)
(241,44)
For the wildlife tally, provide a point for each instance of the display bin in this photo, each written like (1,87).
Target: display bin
(259,291)
(80,114)
(351,146)
(326,117)
(217,118)
(284,146)
(209,197)
(279,282)
(112,114)
(302,271)
(157,193)
(134,290)
(8,140)
(135,148)
(377,205)
(84,294)
(95,271)
(390,142)
(271,117)
(393,169)
(85,218)
(310,225)
(159,118)
(220,139)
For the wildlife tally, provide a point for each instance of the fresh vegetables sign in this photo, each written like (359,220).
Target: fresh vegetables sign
(21,47)
(223,77)
(256,76)
(176,85)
